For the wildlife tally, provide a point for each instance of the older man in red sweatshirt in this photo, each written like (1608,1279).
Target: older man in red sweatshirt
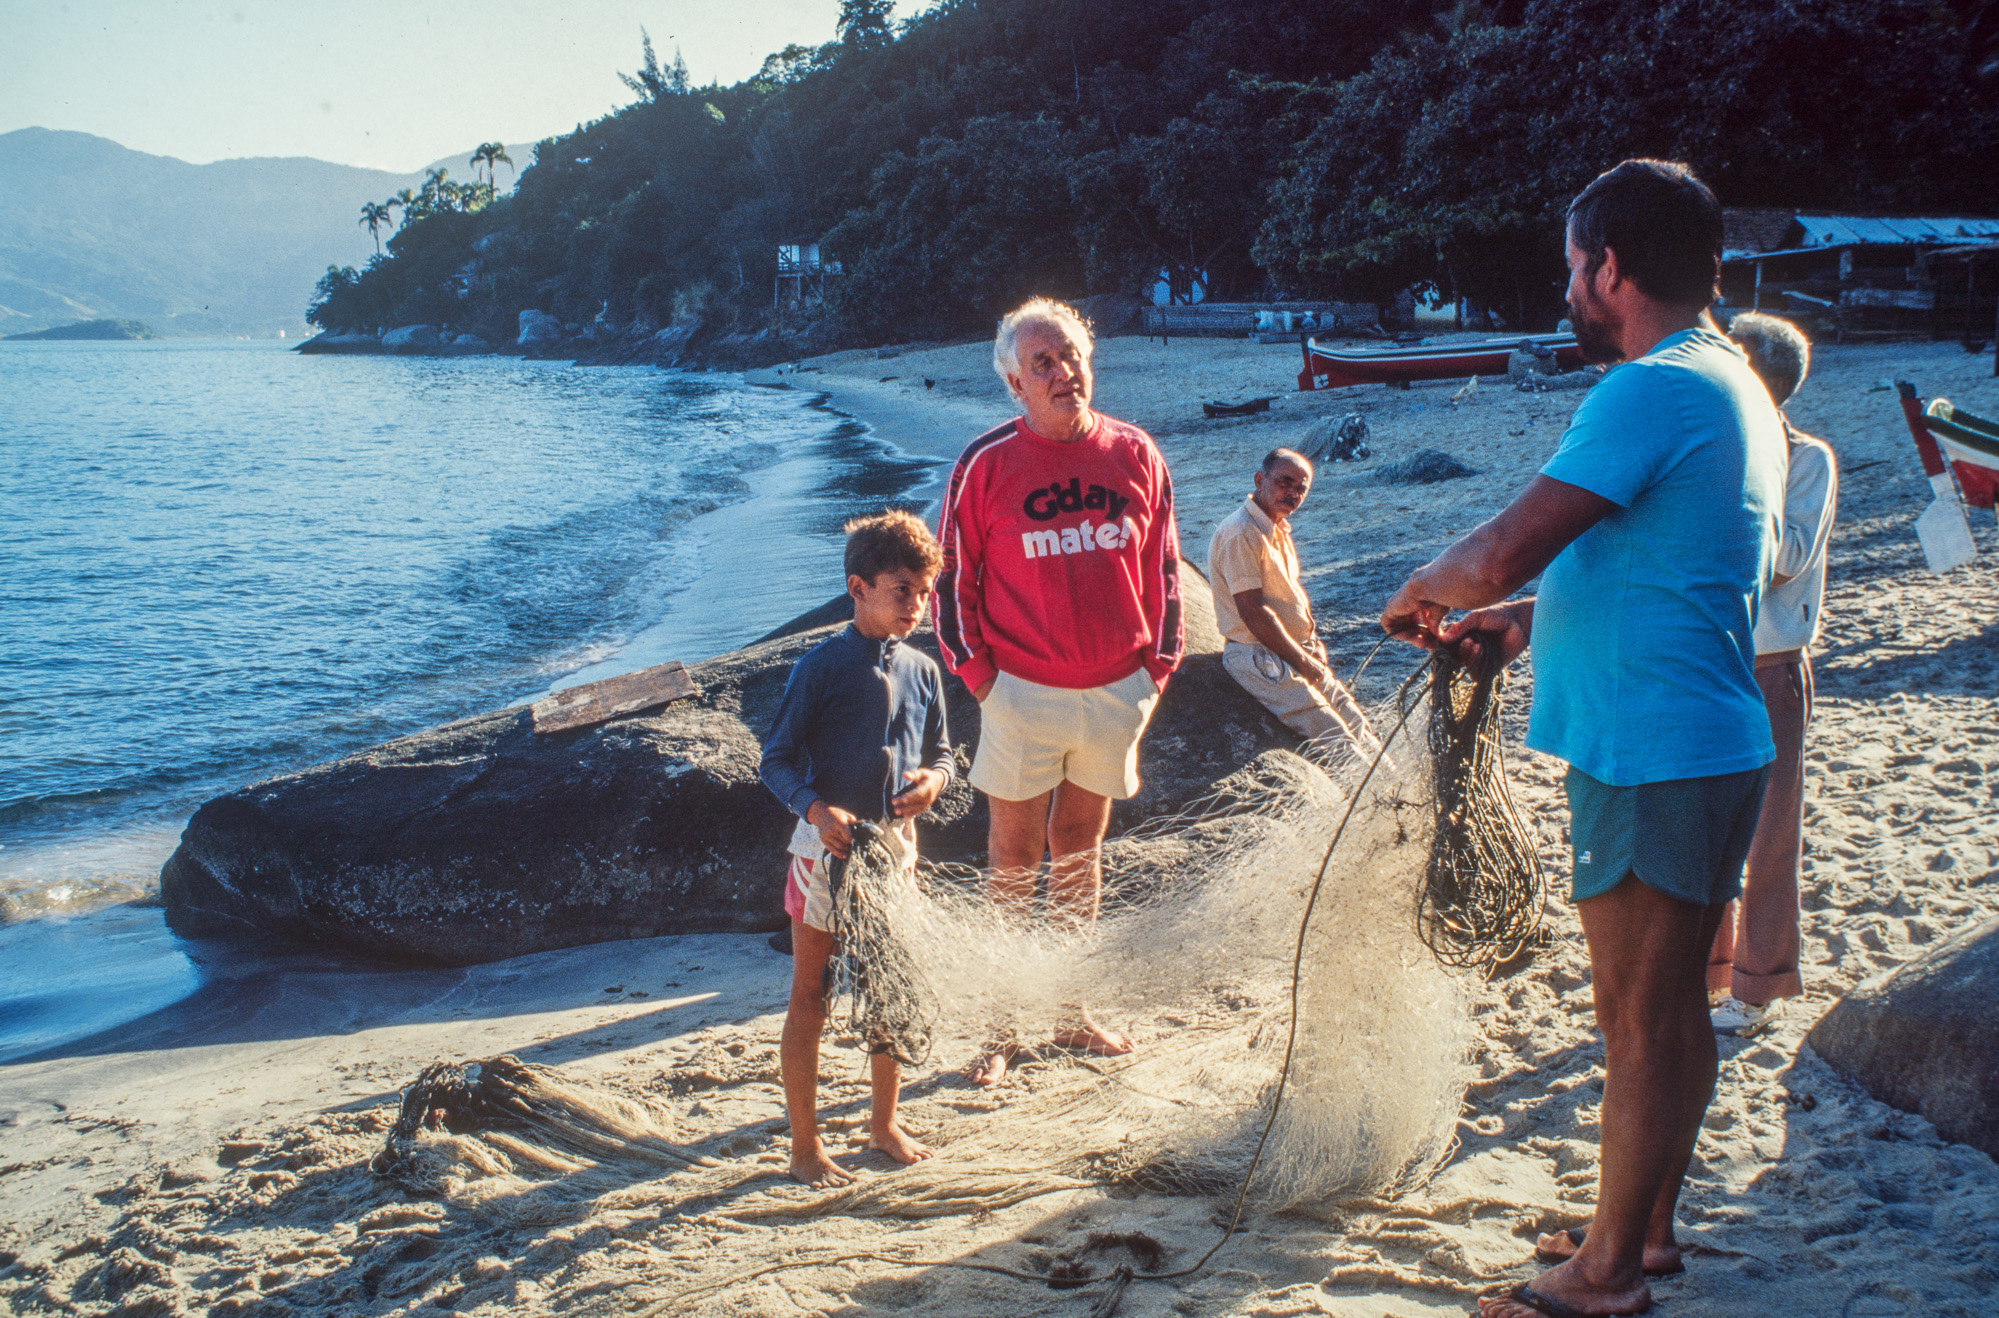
(1059,606)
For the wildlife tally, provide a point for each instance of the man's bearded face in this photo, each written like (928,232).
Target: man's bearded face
(1598,328)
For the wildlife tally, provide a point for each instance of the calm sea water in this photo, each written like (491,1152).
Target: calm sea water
(222,561)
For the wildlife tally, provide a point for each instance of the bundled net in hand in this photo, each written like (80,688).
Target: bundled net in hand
(889,1003)
(1203,952)
(1482,893)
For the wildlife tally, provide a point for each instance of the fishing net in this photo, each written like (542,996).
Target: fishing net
(1259,947)
(1483,892)
(890,1005)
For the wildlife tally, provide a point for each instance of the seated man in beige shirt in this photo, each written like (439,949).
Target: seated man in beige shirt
(1273,649)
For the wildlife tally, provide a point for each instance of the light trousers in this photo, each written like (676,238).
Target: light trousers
(1755,954)
(1330,720)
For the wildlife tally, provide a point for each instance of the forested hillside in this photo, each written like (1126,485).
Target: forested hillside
(989,149)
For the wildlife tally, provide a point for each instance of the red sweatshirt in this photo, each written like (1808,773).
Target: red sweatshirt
(1061,560)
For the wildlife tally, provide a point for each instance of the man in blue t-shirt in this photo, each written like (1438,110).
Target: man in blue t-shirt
(1653,529)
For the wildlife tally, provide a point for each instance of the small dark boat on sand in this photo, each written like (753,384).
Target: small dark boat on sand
(1250,408)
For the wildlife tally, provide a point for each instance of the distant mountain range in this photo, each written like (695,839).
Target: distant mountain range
(90,230)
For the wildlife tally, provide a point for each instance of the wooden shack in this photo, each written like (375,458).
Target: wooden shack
(1865,275)
(801,274)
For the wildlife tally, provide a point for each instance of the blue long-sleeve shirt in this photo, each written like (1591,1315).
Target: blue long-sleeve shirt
(857,715)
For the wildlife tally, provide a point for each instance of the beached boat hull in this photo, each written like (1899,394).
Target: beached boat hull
(1336,368)
(1971,445)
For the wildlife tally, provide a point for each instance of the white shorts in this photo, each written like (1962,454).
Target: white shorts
(807,897)
(1032,737)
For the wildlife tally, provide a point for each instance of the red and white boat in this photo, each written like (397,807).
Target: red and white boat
(1336,368)
(1970,444)
(1952,443)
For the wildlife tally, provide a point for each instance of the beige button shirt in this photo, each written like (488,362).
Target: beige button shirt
(1251,552)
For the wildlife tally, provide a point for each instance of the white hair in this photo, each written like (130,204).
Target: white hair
(1035,311)
(1778,352)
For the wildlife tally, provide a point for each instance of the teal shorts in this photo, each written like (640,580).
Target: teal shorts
(1686,837)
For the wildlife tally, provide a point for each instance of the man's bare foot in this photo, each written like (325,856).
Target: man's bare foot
(1082,1032)
(1557,1246)
(812,1167)
(1564,1293)
(990,1068)
(897,1144)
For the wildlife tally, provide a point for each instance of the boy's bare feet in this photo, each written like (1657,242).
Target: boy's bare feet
(898,1144)
(1556,1246)
(812,1167)
(990,1068)
(1083,1032)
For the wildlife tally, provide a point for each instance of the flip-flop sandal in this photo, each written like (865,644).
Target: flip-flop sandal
(1528,1297)
(1576,1236)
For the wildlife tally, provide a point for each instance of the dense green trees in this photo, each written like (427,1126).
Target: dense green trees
(866,24)
(992,148)
(1452,159)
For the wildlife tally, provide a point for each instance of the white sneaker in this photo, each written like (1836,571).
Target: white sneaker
(1731,1015)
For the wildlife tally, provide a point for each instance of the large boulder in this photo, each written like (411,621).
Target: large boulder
(666,347)
(1529,360)
(411,338)
(1925,1036)
(484,839)
(337,341)
(539,329)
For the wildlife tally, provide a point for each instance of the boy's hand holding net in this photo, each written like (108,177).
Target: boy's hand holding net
(889,1002)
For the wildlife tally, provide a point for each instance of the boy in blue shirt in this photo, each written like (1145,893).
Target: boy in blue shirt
(859,735)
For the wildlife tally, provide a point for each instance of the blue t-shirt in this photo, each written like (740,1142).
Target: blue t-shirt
(1643,649)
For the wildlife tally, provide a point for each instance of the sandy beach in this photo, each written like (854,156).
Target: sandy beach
(214,1158)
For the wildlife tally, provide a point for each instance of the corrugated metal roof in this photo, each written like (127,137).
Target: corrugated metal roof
(1858,230)
(1746,231)
(1728,256)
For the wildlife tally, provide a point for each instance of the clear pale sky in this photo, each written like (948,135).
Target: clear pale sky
(391,84)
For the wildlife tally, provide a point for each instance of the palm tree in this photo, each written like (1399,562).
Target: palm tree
(403,198)
(374,218)
(439,193)
(491,154)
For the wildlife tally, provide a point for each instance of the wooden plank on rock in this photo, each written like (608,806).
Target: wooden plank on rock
(614,697)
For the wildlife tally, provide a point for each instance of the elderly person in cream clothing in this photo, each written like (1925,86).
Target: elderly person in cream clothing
(1273,649)
(1753,967)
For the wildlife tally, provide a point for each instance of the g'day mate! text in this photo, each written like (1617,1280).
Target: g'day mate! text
(1045,503)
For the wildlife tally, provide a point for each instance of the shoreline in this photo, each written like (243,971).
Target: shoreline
(82,931)
(920,421)
(1805,1192)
